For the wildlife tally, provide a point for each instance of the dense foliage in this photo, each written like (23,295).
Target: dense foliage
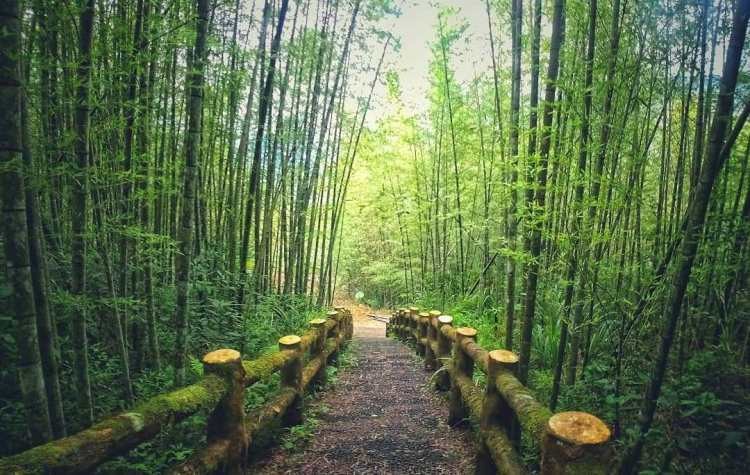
(173,179)
(179,176)
(632,144)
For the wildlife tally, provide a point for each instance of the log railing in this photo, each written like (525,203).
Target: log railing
(569,442)
(221,390)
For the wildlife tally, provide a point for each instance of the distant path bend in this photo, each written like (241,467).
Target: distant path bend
(381,417)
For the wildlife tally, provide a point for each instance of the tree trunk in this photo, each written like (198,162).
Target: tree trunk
(79,209)
(263,106)
(535,241)
(511,218)
(710,169)
(183,258)
(15,231)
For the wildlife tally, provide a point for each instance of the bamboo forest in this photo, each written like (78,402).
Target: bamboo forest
(227,226)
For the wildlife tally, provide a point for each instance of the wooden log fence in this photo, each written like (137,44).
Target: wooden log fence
(301,360)
(569,442)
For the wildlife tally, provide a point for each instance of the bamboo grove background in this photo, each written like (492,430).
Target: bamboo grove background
(184,172)
(183,175)
(586,199)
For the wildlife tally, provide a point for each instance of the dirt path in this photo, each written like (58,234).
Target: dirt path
(364,326)
(379,418)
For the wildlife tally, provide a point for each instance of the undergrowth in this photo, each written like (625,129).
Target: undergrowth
(703,424)
(271,318)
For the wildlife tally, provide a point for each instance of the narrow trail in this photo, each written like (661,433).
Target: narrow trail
(380,417)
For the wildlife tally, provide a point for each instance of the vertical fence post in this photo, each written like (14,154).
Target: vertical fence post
(291,377)
(226,422)
(504,360)
(502,414)
(575,443)
(442,378)
(334,315)
(462,364)
(396,324)
(413,311)
(422,319)
(430,362)
(334,333)
(492,403)
(321,334)
(349,325)
(346,318)
(402,325)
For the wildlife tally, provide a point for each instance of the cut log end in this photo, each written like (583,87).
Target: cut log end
(289,341)
(414,309)
(503,357)
(579,428)
(222,356)
(445,319)
(435,313)
(332,314)
(467,332)
(318,322)
(424,315)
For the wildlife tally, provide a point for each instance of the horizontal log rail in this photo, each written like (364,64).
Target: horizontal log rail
(569,442)
(229,430)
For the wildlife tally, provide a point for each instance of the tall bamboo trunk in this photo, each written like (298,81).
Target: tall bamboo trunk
(183,258)
(715,158)
(535,242)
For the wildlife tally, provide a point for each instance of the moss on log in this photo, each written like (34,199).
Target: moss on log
(433,345)
(225,422)
(258,421)
(82,452)
(317,363)
(263,367)
(318,345)
(499,447)
(475,352)
(448,331)
(266,365)
(307,341)
(443,352)
(209,459)
(471,395)
(502,452)
(291,376)
(257,424)
(532,415)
